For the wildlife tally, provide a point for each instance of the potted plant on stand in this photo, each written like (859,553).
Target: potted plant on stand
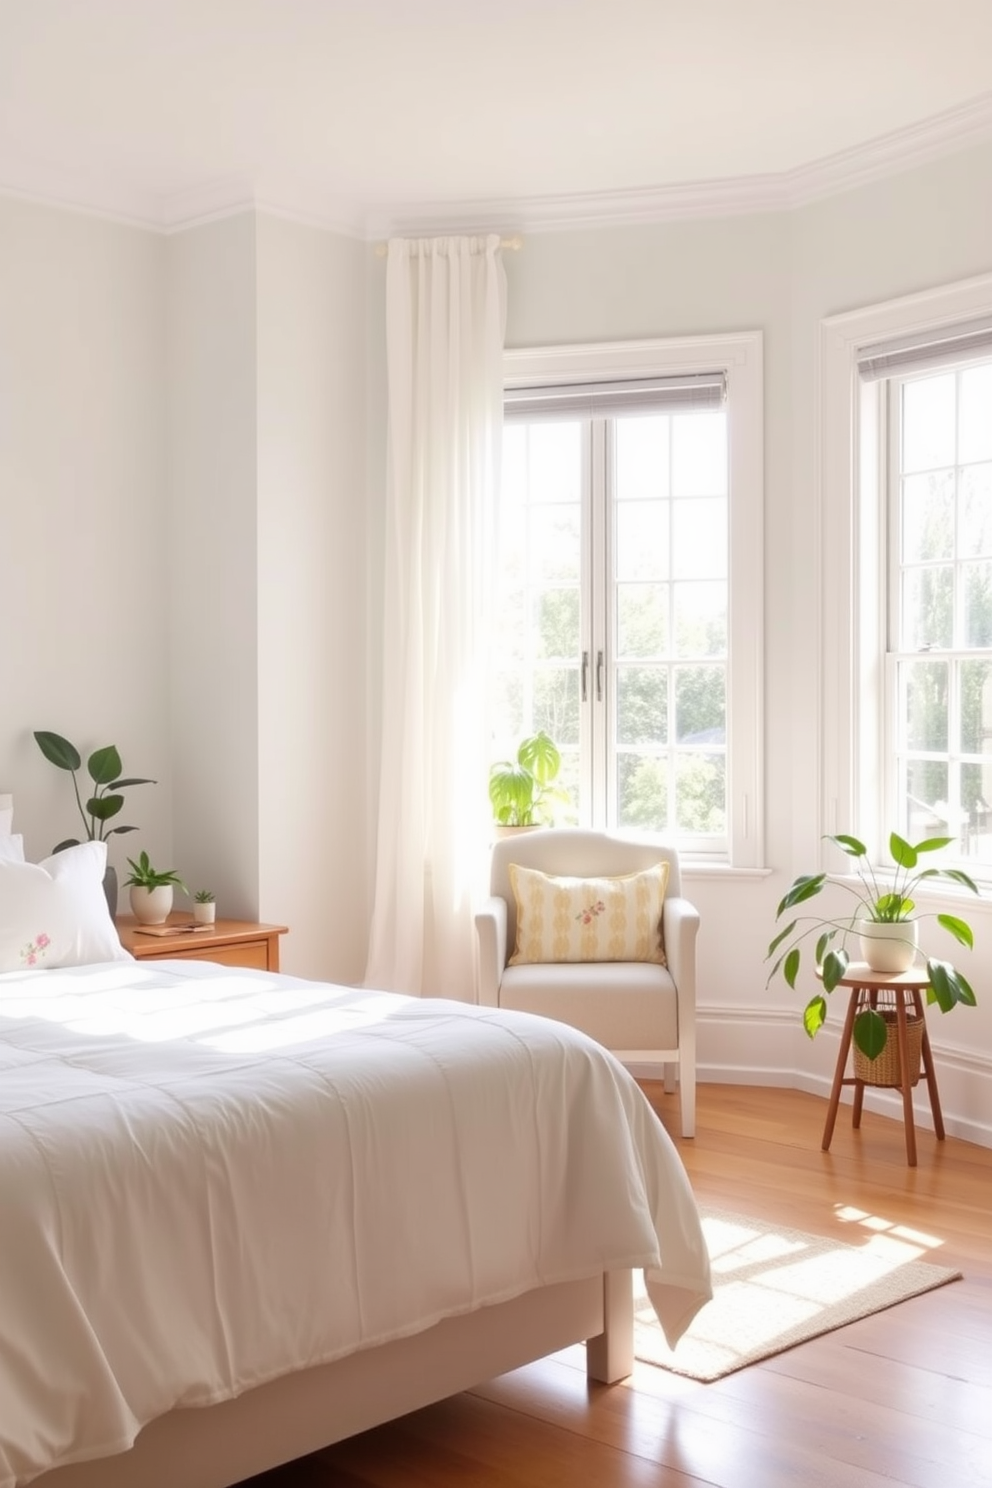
(151,890)
(105,771)
(884,922)
(523,792)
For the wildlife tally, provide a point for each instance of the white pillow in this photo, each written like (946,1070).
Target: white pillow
(12,848)
(6,815)
(54,913)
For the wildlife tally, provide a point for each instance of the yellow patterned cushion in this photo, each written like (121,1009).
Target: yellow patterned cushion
(588,919)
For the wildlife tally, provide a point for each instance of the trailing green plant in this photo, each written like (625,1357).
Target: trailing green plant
(522,791)
(885,898)
(105,771)
(204,896)
(144,876)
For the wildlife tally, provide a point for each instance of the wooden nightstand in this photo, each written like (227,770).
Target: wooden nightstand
(231,942)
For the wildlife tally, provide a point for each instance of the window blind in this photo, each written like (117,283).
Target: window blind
(927,351)
(694,393)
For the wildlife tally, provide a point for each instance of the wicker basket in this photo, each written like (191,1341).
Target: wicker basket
(886,1069)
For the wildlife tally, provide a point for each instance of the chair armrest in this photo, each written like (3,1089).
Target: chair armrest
(680,923)
(490,925)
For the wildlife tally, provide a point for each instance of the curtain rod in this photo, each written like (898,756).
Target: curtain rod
(511,245)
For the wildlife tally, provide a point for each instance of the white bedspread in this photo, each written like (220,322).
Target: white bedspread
(210,1177)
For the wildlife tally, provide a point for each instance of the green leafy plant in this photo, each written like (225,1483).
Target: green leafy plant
(144,876)
(104,767)
(203,896)
(522,791)
(884,899)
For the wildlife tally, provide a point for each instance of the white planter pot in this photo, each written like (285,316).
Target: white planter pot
(203,914)
(888,947)
(151,906)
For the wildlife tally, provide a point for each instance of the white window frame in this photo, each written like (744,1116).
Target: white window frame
(740,357)
(850,521)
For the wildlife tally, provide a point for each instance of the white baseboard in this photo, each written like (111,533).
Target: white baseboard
(764,1047)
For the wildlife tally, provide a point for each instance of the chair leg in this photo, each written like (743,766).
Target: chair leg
(670,1070)
(687,1097)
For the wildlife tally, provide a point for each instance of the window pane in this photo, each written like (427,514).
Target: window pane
(975,438)
(642,457)
(700,705)
(927,799)
(568,779)
(557,624)
(977,604)
(701,793)
(555,543)
(928,422)
(928,608)
(642,620)
(700,619)
(642,705)
(976,800)
(513,470)
(508,711)
(555,467)
(699,539)
(556,704)
(642,540)
(976,509)
(928,516)
(924,705)
(699,454)
(976,708)
(642,792)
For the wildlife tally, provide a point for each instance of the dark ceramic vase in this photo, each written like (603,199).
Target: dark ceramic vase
(110,889)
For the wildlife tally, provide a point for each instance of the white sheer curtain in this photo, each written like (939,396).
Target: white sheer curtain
(445,320)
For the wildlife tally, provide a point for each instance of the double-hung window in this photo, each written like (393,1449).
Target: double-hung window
(933,403)
(630,584)
(905,543)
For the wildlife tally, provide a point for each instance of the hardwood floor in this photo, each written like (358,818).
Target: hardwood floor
(900,1398)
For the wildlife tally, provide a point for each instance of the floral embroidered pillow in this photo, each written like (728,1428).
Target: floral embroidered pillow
(588,919)
(54,913)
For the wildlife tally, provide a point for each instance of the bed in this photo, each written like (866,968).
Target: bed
(244,1215)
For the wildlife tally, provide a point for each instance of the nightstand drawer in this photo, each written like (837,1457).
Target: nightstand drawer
(251,953)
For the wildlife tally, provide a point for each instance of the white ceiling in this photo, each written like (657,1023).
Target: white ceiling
(371,114)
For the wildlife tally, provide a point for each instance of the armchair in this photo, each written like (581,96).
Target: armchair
(643,1012)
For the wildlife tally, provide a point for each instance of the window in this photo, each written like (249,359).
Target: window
(906,552)
(938,667)
(628,503)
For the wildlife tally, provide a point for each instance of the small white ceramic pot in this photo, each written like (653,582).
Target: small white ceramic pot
(888,947)
(204,914)
(151,906)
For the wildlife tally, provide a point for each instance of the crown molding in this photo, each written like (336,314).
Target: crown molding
(306,202)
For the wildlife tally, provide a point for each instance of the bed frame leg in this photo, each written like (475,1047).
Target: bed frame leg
(610,1355)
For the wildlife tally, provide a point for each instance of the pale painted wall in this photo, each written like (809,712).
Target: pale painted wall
(84,622)
(182,471)
(312,769)
(212,559)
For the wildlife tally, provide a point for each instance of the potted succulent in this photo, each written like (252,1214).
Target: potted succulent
(204,907)
(885,922)
(522,791)
(105,770)
(151,890)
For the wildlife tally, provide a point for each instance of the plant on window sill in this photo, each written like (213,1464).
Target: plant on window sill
(881,902)
(522,791)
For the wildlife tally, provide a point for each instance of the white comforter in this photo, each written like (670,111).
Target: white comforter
(212,1177)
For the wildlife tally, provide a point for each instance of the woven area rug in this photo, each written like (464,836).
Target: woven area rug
(775,1287)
